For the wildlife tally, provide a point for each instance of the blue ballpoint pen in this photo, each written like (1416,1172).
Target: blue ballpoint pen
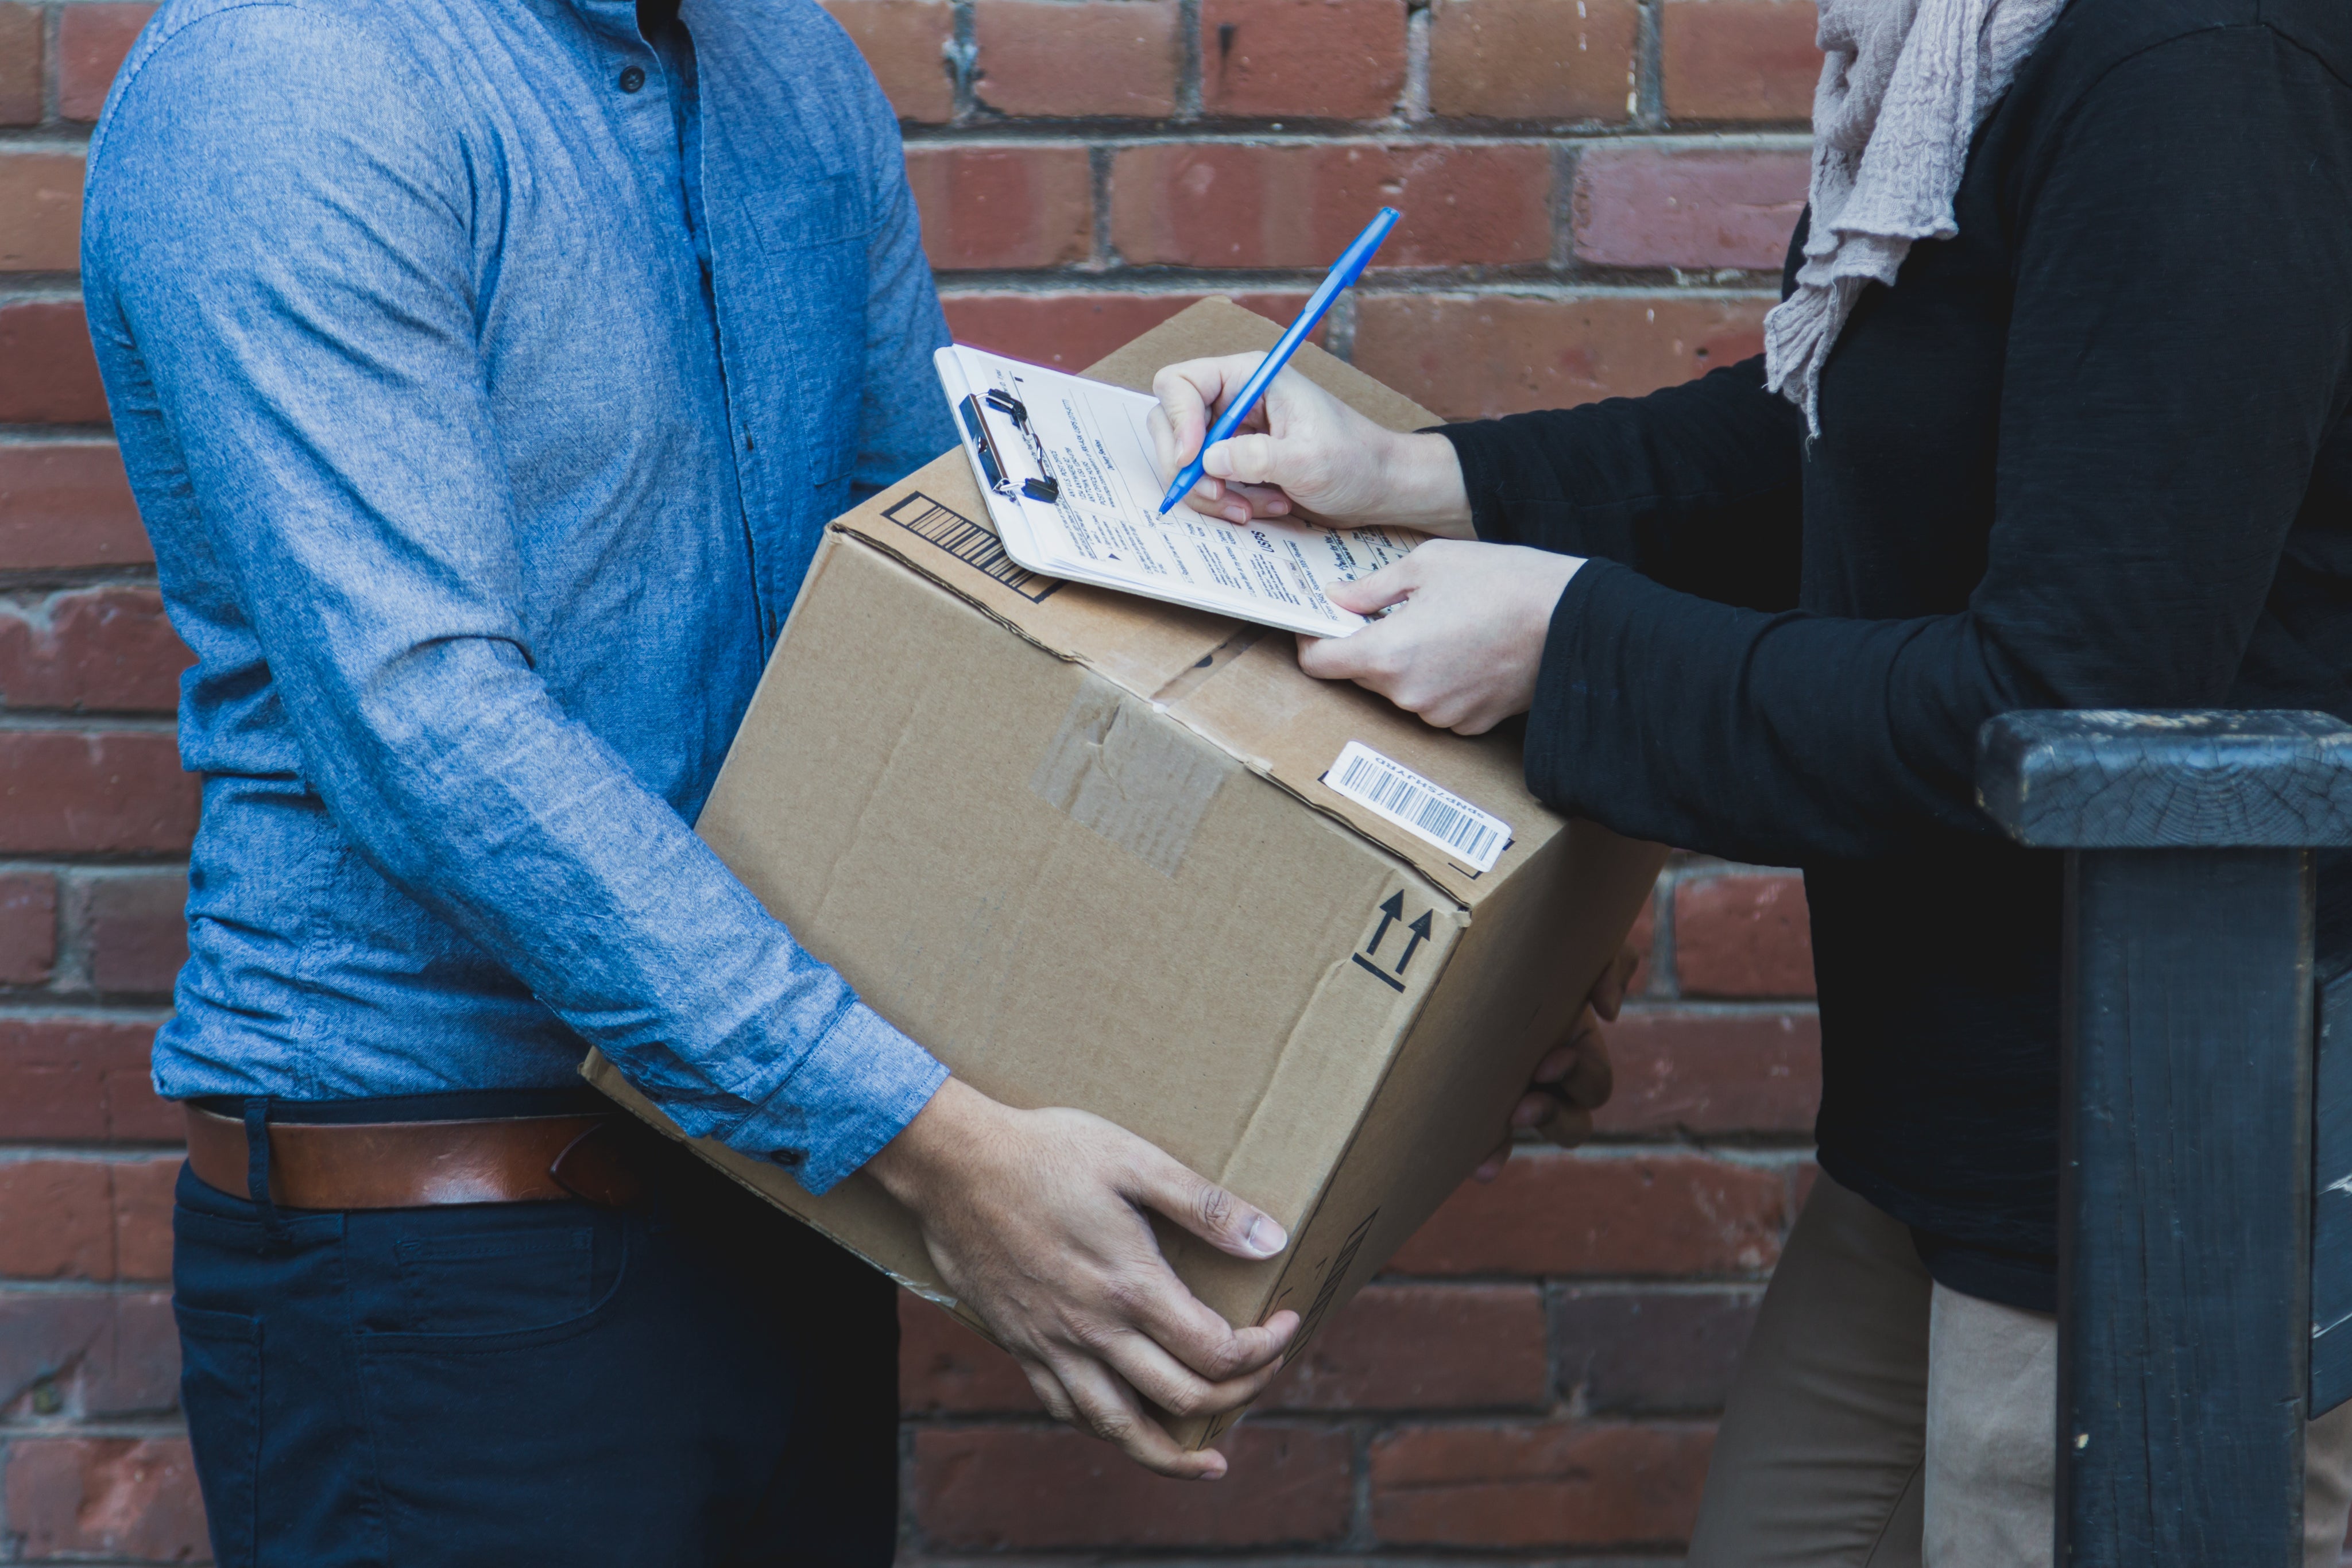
(1344,271)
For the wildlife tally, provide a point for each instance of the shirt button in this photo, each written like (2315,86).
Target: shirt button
(632,79)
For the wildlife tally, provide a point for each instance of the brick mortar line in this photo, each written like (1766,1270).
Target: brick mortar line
(131,724)
(111,1154)
(55,435)
(57,136)
(52,55)
(1306,130)
(1649,1005)
(38,288)
(78,719)
(20,1429)
(51,862)
(62,431)
(1445,285)
(22,1009)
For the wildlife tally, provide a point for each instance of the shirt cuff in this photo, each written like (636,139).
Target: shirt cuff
(1564,682)
(857,1087)
(1482,475)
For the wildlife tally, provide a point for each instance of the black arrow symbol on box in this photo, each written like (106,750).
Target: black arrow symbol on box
(1394,909)
(1419,929)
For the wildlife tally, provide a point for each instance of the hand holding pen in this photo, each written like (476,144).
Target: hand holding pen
(1244,402)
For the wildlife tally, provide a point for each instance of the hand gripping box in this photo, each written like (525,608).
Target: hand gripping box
(1097,850)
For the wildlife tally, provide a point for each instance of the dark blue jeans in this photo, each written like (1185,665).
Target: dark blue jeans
(694,1380)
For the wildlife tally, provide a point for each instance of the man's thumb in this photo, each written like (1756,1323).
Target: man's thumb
(1209,1212)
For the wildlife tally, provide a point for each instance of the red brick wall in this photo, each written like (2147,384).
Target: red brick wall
(1596,190)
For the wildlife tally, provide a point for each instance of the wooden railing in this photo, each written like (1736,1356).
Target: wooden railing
(2194,1337)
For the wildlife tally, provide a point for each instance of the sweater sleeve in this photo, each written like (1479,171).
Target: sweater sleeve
(2176,357)
(1696,486)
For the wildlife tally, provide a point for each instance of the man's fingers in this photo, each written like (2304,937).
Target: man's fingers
(1568,1125)
(1609,991)
(1048,1389)
(1492,1165)
(1590,1078)
(1176,1389)
(1109,1409)
(1204,1208)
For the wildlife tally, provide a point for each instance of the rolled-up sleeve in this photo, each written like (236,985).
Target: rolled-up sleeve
(305,308)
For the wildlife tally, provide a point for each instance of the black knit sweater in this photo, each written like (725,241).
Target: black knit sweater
(2093,453)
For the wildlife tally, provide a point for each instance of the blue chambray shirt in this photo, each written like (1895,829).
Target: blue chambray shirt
(481,514)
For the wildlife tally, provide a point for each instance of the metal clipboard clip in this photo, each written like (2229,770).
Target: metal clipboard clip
(1045,487)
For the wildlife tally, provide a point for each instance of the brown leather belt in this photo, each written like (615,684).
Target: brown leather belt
(412,1165)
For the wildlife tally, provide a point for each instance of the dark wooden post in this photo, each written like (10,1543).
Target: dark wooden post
(2184,1292)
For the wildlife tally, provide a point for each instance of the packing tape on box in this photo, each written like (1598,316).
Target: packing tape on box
(1140,780)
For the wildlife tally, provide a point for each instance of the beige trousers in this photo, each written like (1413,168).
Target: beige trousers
(1879,1420)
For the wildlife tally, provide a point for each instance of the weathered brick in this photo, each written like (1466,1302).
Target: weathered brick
(105,1497)
(92,40)
(1311,59)
(45,1337)
(56,1219)
(140,1371)
(66,504)
(1578,1485)
(1532,59)
(142,1216)
(96,792)
(104,649)
(1045,1488)
(1648,1352)
(1229,205)
(905,43)
(20,64)
(134,928)
(83,1078)
(1743,935)
(1087,59)
(1475,356)
(47,373)
(1739,59)
(1695,208)
(86,1219)
(40,211)
(28,928)
(1714,1074)
(1002,206)
(1430,1347)
(117,1353)
(1606,1214)
(1073,331)
(945,1369)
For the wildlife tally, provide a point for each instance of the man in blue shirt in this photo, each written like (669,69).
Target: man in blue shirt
(486,370)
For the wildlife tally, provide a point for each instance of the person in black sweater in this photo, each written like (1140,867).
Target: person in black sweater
(2091,450)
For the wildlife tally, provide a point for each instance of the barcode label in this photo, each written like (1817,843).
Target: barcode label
(1413,803)
(969,542)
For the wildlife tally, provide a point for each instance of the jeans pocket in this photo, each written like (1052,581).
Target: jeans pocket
(512,1432)
(494,1280)
(220,1390)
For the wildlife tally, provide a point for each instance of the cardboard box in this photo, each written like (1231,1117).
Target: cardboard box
(1080,844)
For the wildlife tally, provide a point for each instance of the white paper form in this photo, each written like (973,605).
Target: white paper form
(1091,441)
